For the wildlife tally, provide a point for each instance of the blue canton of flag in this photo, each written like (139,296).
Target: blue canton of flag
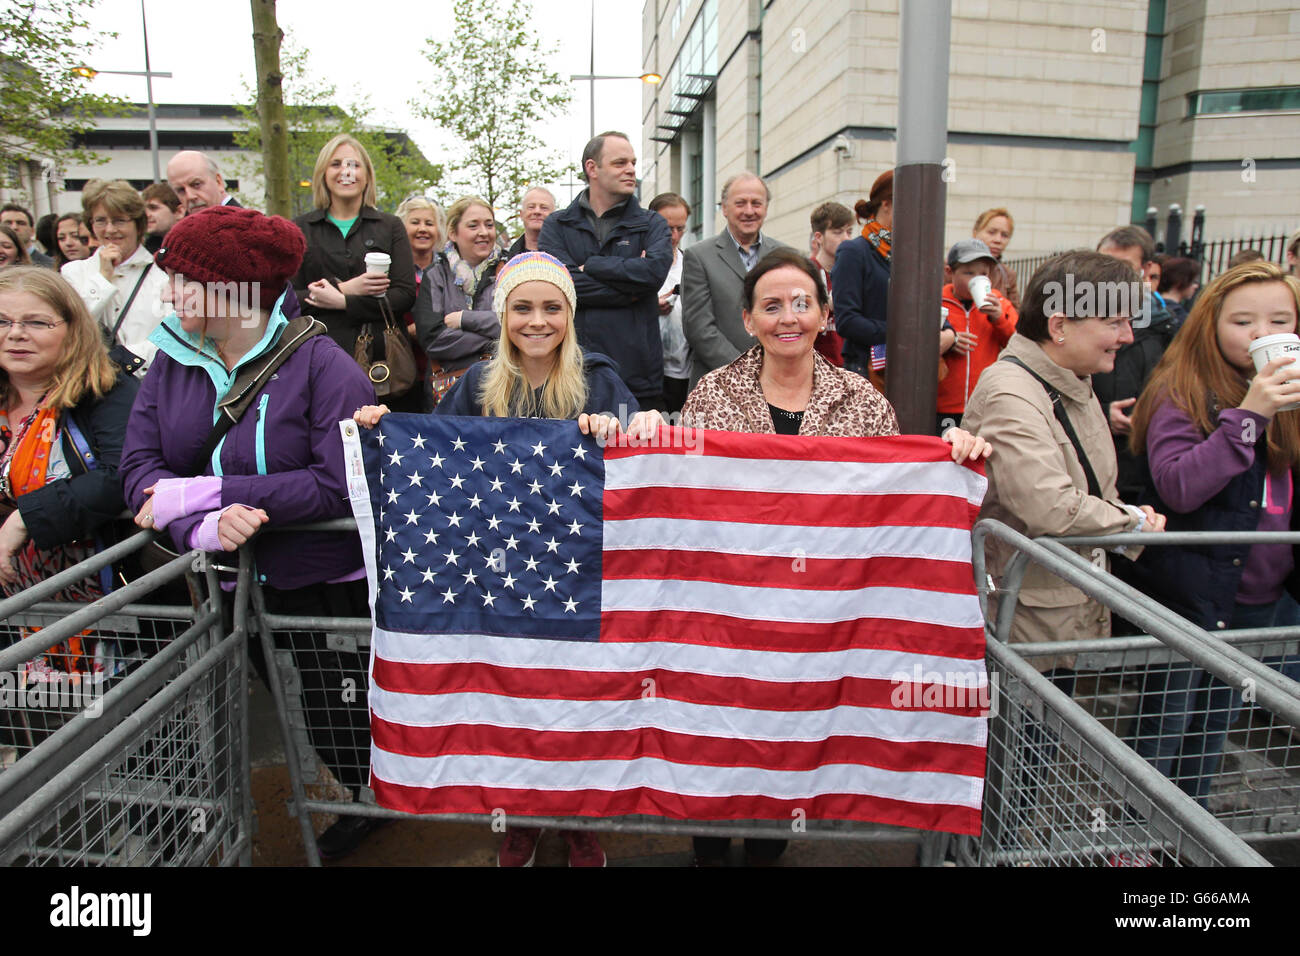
(485,526)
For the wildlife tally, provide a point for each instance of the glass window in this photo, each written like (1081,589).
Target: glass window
(1244,101)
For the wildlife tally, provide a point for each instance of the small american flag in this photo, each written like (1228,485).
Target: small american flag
(715,627)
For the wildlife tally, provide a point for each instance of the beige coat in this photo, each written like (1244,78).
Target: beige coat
(1037,486)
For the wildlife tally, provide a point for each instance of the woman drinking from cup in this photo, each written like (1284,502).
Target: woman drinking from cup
(994,227)
(1219,428)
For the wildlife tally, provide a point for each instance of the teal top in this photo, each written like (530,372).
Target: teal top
(343,224)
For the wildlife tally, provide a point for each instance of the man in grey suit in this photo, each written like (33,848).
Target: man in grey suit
(713,276)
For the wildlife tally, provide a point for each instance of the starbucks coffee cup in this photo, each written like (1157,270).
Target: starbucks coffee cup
(1266,349)
(378,262)
(979,290)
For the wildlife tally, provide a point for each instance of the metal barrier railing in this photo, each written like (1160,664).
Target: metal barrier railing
(1060,790)
(1175,695)
(153,768)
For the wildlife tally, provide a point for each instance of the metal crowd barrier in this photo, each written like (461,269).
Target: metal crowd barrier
(148,766)
(1176,690)
(318,671)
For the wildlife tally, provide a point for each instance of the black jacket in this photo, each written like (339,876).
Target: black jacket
(618,289)
(1200,583)
(74,508)
(860,278)
(331,257)
(1134,364)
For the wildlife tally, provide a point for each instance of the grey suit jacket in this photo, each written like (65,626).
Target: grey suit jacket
(713,280)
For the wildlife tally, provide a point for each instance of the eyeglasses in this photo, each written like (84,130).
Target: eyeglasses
(99,222)
(29,325)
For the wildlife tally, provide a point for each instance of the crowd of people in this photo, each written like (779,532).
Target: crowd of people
(122,343)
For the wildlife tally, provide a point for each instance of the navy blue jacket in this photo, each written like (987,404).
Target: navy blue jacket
(1200,583)
(606,393)
(618,290)
(860,278)
(62,512)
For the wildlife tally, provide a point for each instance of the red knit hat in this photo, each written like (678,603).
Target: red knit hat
(234,244)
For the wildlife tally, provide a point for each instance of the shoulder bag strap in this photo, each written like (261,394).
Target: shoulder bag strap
(1094,488)
(121,316)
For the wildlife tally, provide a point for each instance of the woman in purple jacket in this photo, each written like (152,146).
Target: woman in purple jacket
(225,348)
(1223,447)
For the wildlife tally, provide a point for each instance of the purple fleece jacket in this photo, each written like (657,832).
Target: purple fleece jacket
(1189,469)
(293,423)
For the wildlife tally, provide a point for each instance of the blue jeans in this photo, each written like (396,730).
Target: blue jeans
(1184,713)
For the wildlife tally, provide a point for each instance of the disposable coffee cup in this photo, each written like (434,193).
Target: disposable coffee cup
(378,262)
(979,290)
(1269,347)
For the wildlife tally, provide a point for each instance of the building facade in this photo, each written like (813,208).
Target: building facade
(1074,116)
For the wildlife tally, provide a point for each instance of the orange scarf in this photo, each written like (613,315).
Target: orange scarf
(30,453)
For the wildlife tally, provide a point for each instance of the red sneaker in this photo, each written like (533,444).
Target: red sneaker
(584,848)
(519,847)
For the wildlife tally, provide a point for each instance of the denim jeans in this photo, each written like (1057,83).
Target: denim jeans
(1185,712)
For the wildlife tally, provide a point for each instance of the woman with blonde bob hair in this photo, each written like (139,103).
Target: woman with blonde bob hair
(332,284)
(1221,442)
(994,227)
(62,427)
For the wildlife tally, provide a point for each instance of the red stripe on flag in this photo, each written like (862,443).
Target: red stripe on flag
(719,630)
(903,448)
(774,571)
(603,803)
(787,508)
(688,749)
(794,697)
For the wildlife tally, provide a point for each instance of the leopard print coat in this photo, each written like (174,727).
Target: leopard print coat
(843,404)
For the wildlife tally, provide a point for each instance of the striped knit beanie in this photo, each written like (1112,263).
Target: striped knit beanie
(532,267)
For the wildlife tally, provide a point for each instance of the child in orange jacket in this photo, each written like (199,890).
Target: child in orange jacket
(978,333)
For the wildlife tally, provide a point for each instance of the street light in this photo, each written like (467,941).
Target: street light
(654,79)
(90,73)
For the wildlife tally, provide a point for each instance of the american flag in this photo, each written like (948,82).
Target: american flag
(714,627)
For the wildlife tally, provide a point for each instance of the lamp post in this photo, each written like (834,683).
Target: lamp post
(90,73)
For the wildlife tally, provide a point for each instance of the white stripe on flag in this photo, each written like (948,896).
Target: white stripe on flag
(515,773)
(738,537)
(811,477)
(782,666)
(788,605)
(676,716)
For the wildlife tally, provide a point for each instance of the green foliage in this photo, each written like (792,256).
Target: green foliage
(313,120)
(491,91)
(44,106)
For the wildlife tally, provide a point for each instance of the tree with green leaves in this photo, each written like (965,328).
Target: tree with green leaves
(313,118)
(491,91)
(44,105)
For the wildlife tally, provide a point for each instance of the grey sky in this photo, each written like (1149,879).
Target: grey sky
(373,48)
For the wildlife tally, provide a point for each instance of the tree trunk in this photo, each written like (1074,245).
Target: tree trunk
(270,107)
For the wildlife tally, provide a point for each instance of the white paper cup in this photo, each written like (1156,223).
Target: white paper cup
(1269,347)
(980,287)
(378,262)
